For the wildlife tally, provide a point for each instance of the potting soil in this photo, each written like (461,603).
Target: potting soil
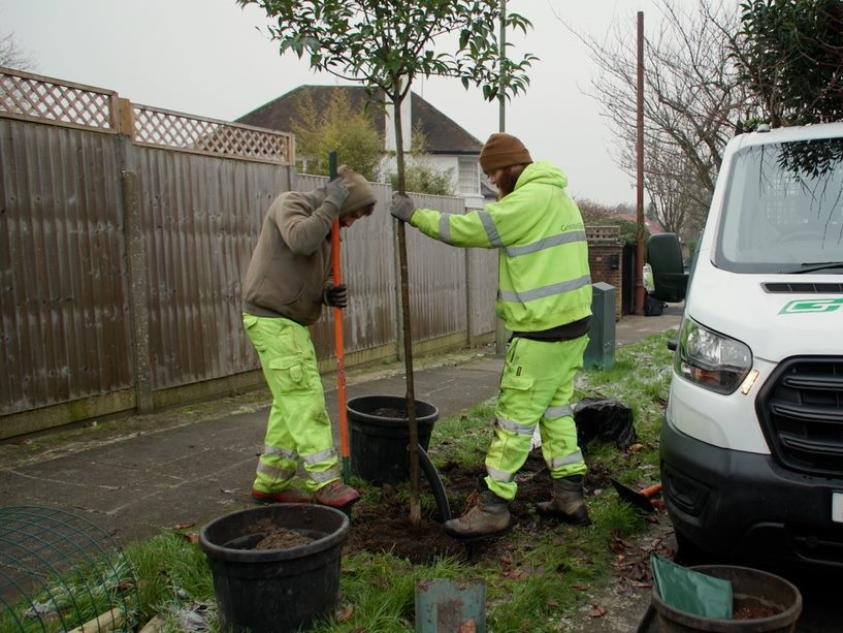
(750,608)
(276,537)
(389,412)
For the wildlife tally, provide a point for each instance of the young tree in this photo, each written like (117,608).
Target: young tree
(337,127)
(386,44)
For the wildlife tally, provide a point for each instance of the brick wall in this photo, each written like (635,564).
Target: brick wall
(605,259)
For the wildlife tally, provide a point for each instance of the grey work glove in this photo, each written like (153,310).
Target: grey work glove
(402,207)
(335,296)
(335,193)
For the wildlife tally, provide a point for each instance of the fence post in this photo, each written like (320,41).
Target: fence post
(137,283)
(121,116)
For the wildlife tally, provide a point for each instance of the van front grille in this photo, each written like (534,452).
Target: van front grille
(801,409)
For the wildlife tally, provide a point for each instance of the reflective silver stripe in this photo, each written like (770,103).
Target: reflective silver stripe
(491,231)
(554,413)
(499,475)
(283,453)
(445,227)
(514,427)
(558,462)
(276,474)
(546,291)
(320,457)
(548,242)
(328,475)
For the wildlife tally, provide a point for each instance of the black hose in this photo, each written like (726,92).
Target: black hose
(436,484)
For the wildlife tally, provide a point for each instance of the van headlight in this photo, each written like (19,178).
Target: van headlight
(710,359)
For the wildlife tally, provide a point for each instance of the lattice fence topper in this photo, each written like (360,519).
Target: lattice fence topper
(163,128)
(29,96)
(609,233)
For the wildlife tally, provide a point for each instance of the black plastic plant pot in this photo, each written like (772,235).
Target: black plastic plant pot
(275,590)
(380,435)
(751,588)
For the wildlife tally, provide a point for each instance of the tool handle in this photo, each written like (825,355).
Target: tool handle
(339,344)
(651,491)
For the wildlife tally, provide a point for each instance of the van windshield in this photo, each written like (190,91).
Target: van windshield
(784,209)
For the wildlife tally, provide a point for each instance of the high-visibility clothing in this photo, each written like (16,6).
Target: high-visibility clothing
(299,429)
(544,280)
(537,386)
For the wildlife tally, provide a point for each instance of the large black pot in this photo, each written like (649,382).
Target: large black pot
(379,443)
(278,590)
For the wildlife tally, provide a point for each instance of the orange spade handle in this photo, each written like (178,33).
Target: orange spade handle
(336,273)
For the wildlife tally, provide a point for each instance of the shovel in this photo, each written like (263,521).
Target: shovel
(638,498)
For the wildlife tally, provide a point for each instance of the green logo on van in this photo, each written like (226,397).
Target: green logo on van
(803,306)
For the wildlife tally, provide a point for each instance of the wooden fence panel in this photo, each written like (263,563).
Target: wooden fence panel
(63,294)
(202,216)
(125,234)
(483,289)
(437,277)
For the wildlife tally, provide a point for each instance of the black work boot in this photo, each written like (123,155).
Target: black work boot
(489,516)
(567,501)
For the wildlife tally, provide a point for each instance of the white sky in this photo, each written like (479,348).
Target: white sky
(206,57)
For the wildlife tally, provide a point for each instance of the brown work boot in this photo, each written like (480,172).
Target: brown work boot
(567,501)
(489,516)
(291,495)
(336,495)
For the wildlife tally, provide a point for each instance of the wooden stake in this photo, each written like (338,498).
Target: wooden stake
(103,622)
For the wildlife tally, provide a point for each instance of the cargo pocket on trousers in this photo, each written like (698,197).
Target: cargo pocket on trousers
(290,372)
(516,382)
(516,395)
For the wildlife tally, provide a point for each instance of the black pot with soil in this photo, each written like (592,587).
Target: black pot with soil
(380,436)
(276,568)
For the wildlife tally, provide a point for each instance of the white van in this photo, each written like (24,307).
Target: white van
(752,445)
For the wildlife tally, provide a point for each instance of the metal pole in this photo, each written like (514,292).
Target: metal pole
(501,94)
(639,153)
(501,334)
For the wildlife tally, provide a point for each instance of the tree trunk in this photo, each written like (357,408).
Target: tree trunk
(415,505)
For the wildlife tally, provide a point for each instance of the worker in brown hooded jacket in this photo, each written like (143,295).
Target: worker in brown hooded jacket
(285,288)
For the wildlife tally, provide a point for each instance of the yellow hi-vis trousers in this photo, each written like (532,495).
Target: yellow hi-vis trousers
(298,429)
(537,385)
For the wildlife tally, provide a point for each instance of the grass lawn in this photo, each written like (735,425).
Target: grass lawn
(537,576)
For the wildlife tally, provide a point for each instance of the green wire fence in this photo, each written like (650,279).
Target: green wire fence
(59,572)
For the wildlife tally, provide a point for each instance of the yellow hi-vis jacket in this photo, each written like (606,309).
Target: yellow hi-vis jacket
(544,281)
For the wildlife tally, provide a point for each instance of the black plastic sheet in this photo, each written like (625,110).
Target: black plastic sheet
(606,421)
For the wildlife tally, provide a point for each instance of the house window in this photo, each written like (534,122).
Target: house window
(469,175)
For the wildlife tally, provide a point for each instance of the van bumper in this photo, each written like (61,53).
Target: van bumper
(744,505)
